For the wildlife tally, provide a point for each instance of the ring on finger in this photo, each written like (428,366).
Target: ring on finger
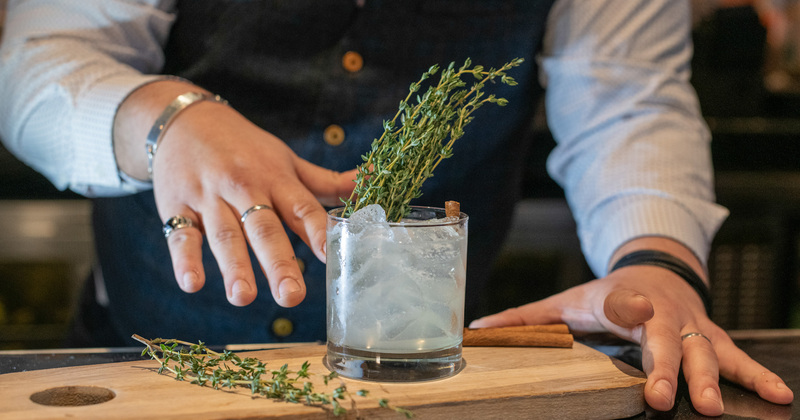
(176,223)
(694,334)
(255,208)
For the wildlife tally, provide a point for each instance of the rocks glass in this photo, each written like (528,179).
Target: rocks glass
(395,294)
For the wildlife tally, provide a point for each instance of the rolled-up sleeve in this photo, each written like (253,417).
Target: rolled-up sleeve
(633,152)
(65,67)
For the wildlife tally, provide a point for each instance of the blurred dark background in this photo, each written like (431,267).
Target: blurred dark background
(747,75)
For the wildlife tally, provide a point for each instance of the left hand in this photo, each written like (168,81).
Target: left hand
(654,307)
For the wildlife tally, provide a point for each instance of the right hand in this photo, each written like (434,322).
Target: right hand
(655,308)
(212,164)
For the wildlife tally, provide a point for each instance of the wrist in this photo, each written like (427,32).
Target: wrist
(663,244)
(180,103)
(135,118)
(669,262)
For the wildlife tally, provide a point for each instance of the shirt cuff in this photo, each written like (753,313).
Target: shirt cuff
(95,171)
(692,223)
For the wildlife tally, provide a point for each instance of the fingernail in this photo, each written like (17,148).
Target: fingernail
(664,388)
(712,394)
(780,385)
(189,280)
(241,287)
(287,287)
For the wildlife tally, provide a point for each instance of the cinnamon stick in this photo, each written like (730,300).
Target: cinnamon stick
(545,328)
(452,208)
(519,336)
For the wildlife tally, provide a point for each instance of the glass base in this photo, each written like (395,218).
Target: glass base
(394,367)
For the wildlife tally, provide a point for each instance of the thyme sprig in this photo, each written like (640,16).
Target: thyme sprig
(420,136)
(205,367)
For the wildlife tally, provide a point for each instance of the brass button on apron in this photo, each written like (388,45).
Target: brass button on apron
(302,265)
(333,135)
(282,327)
(352,61)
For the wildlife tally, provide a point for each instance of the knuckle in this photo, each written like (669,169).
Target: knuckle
(703,376)
(259,232)
(182,239)
(236,267)
(280,176)
(304,209)
(226,235)
(666,368)
(281,265)
(516,315)
(710,372)
(238,180)
(179,238)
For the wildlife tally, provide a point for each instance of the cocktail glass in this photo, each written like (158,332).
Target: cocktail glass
(395,294)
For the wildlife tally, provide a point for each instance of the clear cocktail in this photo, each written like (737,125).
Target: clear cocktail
(395,307)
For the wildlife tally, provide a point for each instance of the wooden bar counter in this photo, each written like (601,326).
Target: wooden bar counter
(588,380)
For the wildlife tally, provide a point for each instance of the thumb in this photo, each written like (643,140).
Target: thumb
(627,308)
(327,186)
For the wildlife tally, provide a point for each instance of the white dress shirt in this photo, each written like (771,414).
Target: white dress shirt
(632,151)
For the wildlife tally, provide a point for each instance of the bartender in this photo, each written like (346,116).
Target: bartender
(211,134)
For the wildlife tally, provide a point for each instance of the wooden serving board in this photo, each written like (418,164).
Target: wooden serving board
(579,383)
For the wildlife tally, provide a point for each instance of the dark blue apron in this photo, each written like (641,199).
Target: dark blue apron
(279,63)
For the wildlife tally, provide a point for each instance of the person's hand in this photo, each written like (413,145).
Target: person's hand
(654,307)
(212,164)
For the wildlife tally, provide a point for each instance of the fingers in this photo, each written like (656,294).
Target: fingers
(228,239)
(295,206)
(229,246)
(326,185)
(703,358)
(664,353)
(770,387)
(701,370)
(509,317)
(185,249)
(298,201)
(661,360)
(303,214)
(269,242)
(737,366)
(206,173)
(535,313)
(627,308)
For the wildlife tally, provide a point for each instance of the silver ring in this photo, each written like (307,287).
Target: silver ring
(694,334)
(176,222)
(257,207)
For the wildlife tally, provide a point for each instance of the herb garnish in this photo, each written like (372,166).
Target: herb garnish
(405,155)
(203,366)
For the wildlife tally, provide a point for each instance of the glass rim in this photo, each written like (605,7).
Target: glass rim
(462,217)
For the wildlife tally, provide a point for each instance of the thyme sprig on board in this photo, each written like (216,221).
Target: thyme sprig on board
(421,135)
(205,367)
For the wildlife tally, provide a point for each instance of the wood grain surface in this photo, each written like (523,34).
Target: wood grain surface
(497,382)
